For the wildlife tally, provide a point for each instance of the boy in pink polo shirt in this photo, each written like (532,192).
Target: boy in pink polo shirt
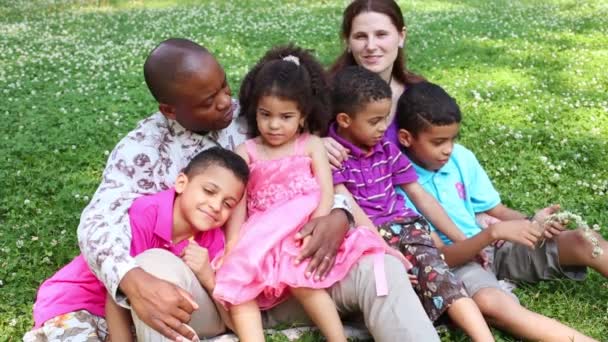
(185,220)
(361,103)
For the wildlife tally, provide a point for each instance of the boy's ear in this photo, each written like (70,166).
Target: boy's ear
(405,137)
(343,120)
(167,110)
(181,183)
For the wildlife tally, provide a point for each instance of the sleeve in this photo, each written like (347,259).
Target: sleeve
(481,191)
(142,218)
(104,233)
(401,168)
(337,176)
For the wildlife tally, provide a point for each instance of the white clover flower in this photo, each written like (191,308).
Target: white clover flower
(12,322)
(34,238)
(26,201)
(19,243)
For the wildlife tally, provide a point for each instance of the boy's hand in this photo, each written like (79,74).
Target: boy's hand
(552,228)
(482,259)
(517,231)
(197,258)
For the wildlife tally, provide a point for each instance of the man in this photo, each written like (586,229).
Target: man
(196,112)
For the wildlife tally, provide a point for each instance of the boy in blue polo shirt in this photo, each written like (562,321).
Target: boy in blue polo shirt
(429,121)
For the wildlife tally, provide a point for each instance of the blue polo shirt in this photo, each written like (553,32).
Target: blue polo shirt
(463,189)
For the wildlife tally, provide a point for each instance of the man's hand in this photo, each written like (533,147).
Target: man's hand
(552,228)
(197,258)
(160,304)
(518,231)
(326,234)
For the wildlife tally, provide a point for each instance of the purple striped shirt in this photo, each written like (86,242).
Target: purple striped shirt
(371,178)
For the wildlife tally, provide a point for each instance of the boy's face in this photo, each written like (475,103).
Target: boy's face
(202,98)
(432,147)
(366,127)
(206,200)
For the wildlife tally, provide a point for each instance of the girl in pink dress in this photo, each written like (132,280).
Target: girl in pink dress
(284,98)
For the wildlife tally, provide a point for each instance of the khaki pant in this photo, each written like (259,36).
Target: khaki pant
(399,316)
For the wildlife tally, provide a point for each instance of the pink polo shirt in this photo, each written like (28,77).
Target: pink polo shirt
(75,287)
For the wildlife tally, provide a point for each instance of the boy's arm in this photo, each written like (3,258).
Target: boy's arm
(322,172)
(432,210)
(517,231)
(504,213)
(119,321)
(239,214)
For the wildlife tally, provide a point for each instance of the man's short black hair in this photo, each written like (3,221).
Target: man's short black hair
(220,157)
(354,87)
(424,105)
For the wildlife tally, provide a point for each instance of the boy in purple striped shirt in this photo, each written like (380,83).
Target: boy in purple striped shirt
(362,101)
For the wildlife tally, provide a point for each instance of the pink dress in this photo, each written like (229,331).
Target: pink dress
(281,195)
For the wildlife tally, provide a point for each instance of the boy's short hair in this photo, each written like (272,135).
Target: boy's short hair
(426,104)
(353,87)
(220,157)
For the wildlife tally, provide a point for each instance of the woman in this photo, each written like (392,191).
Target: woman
(374,34)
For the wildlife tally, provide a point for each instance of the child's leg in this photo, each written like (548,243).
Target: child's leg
(504,312)
(320,307)
(465,313)
(247,321)
(575,250)
(119,321)
(439,288)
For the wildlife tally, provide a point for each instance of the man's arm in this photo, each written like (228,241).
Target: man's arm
(135,168)
(104,233)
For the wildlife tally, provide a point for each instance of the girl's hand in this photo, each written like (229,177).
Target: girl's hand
(335,152)
(197,258)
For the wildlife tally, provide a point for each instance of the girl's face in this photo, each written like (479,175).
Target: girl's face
(374,42)
(278,120)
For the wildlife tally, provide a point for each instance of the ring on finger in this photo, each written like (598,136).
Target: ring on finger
(327,257)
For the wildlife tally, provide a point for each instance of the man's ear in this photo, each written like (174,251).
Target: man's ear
(405,137)
(180,183)
(343,120)
(167,110)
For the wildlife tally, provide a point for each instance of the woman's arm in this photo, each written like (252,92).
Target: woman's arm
(432,210)
(322,171)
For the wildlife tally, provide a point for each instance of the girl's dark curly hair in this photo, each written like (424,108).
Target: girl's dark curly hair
(306,84)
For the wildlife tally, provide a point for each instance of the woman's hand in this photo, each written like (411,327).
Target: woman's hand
(336,153)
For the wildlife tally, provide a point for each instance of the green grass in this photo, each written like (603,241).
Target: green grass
(530,78)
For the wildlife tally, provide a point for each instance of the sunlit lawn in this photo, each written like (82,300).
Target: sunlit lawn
(530,77)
